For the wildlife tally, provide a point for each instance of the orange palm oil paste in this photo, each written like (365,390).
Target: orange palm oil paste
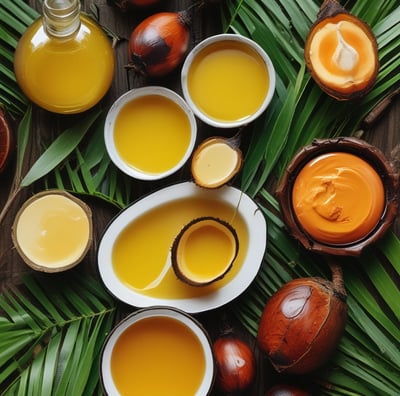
(228,81)
(141,253)
(152,133)
(343,55)
(338,198)
(158,356)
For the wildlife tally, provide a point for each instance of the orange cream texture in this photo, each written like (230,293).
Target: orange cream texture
(338,198)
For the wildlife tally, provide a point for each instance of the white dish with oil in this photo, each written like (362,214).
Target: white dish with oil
(134,252)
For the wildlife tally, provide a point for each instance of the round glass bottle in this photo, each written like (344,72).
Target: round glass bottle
(64,62)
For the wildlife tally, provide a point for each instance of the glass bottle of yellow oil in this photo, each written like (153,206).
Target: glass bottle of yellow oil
(64,62)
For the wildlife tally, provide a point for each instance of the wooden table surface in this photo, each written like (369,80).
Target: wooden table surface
(384,134)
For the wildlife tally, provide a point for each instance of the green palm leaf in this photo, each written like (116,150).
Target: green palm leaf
(52,331)
(367,361)
(83,169)
(267,23)
(15,17)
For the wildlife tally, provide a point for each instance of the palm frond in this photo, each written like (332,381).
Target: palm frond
(88,170)
(50,332)
(15,17)
(367,359)
(271,24)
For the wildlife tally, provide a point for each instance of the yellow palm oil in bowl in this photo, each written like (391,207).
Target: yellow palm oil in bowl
(157,351)
(228,80)
(150,132)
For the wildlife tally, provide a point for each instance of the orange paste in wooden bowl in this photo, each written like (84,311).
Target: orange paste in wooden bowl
(338,198)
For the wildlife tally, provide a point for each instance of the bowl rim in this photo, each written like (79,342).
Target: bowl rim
(85,248)
(369,153)
(158,311)
(220,38)
(113,114)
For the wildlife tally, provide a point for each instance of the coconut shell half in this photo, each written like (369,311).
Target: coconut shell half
(341,53)
(52,231)
(204,251)
(216,161)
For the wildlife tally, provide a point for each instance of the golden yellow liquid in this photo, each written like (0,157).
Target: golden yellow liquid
(64,75)
(53,231)
(158,356)
(207,252)
(142,249)
(228,81)
(152,133)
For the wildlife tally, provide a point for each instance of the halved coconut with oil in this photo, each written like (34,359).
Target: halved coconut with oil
(216,161)
(204,251)
(52,231)
(341,53)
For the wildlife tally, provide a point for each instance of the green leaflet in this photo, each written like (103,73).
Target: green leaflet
(367,360)
(59,149)
(15,17)
(62,341)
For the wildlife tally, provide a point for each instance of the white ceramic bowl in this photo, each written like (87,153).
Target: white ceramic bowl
(228,38)
(196,329)
(112,116)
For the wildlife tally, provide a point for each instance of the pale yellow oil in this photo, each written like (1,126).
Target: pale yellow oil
(215,163)
(141,251)
(158,356)
(228,81)
(67,75)
(152,133)
(53,231)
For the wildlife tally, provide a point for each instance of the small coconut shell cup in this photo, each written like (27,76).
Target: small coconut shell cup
(52,231)
(326,202)
(207,234)
(341,53)
(216,161)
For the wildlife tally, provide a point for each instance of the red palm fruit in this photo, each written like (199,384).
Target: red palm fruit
(303,322)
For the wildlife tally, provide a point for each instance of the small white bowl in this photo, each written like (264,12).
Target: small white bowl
(197,334)
(228,79)
(109,129)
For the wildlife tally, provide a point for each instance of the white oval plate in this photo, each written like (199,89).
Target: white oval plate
(257,239)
